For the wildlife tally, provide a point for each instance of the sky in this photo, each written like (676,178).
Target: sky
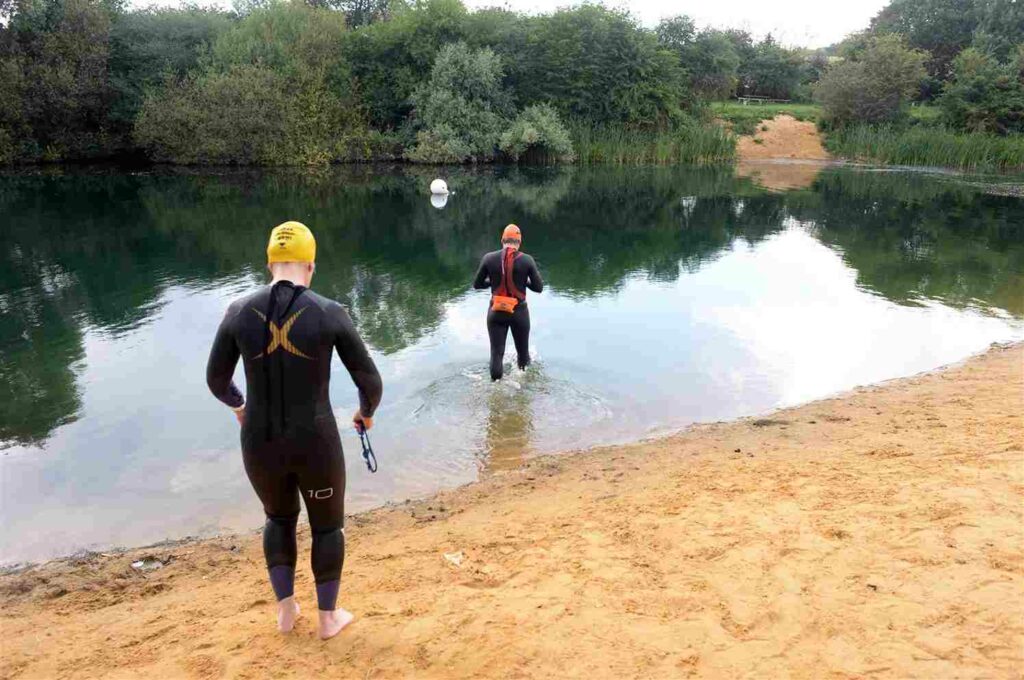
(804,23)
(795,23)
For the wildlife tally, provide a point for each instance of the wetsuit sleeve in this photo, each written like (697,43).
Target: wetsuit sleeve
(483,278)
(221,365)
(357,360)
(533,279)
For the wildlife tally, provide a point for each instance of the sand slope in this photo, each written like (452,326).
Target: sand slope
(786,137)
(878,534)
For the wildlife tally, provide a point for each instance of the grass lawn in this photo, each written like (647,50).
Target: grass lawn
(745,118)
(925,114)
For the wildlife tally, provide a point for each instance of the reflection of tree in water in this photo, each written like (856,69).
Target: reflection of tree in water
(75,254)
(909,236)
(98,250)
(39,344)
(652,221)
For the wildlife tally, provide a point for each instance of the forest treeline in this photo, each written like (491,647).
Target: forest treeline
(295,82)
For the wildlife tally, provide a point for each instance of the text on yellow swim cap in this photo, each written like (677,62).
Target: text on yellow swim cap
(291,242)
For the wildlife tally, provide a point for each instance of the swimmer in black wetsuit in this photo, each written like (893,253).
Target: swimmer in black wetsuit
(508,273)
(286,335)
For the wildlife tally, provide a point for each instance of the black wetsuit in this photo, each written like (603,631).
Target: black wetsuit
(290,441)
(524,275)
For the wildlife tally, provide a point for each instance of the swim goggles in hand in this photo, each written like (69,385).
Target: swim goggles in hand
(368,456)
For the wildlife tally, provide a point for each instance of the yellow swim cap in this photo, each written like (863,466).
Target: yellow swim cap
(291,242)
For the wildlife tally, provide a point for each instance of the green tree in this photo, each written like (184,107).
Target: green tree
(812,68)
(713,66)
(708,58)
(770,70)
(874,88)
(1000,27)
(147,44)
(54,57)
(984,95)
(676,33)
(363,12)
(390,58)
(275,91)
(940,27)
(462,109)
(600,65)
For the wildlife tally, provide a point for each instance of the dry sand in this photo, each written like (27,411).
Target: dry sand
(788,155)
(877,534)
(786,137)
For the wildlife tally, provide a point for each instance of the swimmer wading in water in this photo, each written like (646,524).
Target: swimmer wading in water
(286,335)
(508,273)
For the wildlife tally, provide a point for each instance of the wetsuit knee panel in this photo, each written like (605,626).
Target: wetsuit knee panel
(328,554)
(279,545)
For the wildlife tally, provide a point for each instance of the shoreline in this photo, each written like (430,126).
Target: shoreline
(826,537)
(120,551)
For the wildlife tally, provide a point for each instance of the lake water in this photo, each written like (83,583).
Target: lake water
(675,295)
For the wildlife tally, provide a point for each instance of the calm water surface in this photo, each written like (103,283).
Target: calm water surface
(675,296)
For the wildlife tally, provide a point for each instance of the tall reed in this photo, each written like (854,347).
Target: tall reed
(928,146)
(694,144)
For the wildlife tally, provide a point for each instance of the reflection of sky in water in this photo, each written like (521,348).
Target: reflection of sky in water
(153,455)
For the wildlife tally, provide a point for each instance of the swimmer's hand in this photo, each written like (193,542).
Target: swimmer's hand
(240,414)
(361,422)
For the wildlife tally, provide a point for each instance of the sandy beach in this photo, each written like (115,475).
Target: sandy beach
(877,534)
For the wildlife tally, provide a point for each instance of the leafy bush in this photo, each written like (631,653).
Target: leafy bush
(291,38)
(984,95)
(147,44)
(54,56)
(537,131)
(873,88)
(244,115)
(275,91)
(441,145)
(462,109)
(236,116)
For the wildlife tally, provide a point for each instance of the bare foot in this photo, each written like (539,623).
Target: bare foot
(333,621)
(287,612)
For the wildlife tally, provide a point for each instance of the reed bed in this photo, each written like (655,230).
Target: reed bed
(694,144)
(928,146)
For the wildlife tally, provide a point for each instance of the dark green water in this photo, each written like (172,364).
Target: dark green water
(675,296)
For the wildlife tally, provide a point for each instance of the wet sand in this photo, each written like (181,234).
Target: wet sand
(876,534)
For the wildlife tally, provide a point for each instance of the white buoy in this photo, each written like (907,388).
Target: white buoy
(439,187)
(439,200)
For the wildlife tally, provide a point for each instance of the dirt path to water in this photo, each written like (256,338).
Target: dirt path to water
(784,153)
(783,137)
(876,534)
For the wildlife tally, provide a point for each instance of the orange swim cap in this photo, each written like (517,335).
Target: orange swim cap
(512,233)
